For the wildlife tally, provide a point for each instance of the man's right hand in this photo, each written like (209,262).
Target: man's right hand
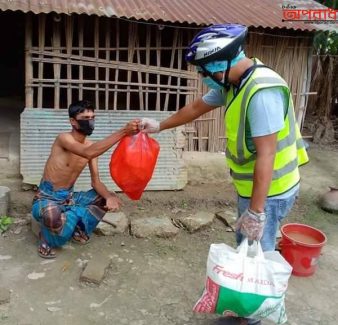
(149,125)
(132,127)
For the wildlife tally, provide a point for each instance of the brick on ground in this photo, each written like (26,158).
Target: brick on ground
(95,269)
(196,221)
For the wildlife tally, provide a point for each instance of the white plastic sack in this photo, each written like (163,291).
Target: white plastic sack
(245,282)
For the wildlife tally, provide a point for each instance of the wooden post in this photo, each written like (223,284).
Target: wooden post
(28,62)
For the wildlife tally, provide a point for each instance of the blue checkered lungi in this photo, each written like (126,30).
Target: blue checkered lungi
(60,211)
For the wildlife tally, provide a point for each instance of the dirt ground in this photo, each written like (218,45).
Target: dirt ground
(157,281)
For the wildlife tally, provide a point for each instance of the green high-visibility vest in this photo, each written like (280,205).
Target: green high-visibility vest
(290,152)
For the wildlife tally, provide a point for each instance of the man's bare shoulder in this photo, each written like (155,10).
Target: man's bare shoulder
(64,136)
(67,138)
(89,142)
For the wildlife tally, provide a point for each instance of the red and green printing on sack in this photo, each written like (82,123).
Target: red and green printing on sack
(245,283)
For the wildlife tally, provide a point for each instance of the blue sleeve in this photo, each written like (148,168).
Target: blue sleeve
(214,98)
(266,112)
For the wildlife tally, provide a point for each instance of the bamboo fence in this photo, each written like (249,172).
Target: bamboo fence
(121,65)
(322,118)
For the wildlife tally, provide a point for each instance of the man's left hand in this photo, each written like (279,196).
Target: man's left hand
(113,203)
(251,224)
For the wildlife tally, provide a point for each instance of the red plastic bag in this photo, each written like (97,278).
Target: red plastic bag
(132,163)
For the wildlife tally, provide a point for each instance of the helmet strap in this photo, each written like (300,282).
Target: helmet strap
(226,83)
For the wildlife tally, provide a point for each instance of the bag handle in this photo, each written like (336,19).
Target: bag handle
(253,250)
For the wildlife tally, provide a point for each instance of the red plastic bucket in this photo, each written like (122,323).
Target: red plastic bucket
(301,246)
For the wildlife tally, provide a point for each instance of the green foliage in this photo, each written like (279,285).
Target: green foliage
(5,222)
(329,3)
(327,42)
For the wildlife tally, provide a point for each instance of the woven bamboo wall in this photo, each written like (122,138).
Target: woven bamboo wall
(116,64)
(121,65)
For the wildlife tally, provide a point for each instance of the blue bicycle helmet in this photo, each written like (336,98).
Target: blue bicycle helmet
(221,42)
(216,43)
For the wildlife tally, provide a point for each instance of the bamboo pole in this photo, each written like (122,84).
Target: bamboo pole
(117,58)
(172,60)
(131,51)
(164,91)
(29,92)
(148,43)
(96,54)
(139,77)
(69,42)
(56,66)
(158,62)
(121,83)
(102,63)
(180,54)
(81,35)
(108,59)
(104,48)
(42,28)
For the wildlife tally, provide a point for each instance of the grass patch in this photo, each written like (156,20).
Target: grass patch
(5,222)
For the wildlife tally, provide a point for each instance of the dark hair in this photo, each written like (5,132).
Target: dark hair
(79,107)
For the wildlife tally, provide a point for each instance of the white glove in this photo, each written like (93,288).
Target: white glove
(251,224)
(149,125)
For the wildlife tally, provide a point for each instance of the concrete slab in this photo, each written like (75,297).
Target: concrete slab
(5,296)
(153,227)
(4,200)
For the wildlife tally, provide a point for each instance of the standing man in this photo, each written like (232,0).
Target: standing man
(264,146)
(62,213)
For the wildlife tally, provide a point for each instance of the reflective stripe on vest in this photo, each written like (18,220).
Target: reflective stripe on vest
(241,160)
(276,173)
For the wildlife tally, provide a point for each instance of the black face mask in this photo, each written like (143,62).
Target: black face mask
(86,127)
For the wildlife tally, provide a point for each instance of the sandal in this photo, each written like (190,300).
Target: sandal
(80,237)
(45,251)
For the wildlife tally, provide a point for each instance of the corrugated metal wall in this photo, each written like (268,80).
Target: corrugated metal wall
(39,127)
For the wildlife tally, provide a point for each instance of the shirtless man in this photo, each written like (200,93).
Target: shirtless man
(62,213)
